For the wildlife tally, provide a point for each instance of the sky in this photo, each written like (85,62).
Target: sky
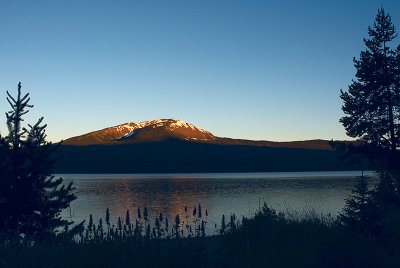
(264,70)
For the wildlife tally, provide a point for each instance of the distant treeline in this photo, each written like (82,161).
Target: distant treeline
(175,156)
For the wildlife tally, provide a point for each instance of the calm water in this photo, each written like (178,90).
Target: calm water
(219,193)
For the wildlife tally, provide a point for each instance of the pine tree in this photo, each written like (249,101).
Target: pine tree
(372,107)
(372,102)
(361,211)
(31,198)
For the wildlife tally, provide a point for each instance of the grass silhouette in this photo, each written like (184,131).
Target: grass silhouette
(267,239)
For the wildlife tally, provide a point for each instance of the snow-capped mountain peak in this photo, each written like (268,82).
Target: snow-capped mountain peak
(179,127)
(153,130)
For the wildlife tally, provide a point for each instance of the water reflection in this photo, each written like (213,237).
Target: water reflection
(218,193)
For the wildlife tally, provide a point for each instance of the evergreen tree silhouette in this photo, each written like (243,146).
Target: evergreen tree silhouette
(361,211)
(372,102)
(31,198)
(372,107)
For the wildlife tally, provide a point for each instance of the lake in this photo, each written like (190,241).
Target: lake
(218,193)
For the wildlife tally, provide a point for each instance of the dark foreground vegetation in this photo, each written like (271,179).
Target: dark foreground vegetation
(269,239)
(365,234)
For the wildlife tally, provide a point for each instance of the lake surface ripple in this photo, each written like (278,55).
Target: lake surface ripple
(219,193)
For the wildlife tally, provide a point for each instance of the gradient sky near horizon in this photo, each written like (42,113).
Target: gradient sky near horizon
(269,70)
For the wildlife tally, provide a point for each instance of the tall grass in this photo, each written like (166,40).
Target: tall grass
(129,228)
(267,239)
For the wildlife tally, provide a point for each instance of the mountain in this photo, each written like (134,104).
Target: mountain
(174,146)
(166,129)
(147,131)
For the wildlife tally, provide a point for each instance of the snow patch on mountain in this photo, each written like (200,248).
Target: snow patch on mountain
(127,135)
(182,124)
(123,127)
(179,123)
(173,124)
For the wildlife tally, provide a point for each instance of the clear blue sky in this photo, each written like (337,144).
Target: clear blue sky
(267,70)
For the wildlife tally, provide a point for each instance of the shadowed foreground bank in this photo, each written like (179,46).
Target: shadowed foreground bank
(268,239)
